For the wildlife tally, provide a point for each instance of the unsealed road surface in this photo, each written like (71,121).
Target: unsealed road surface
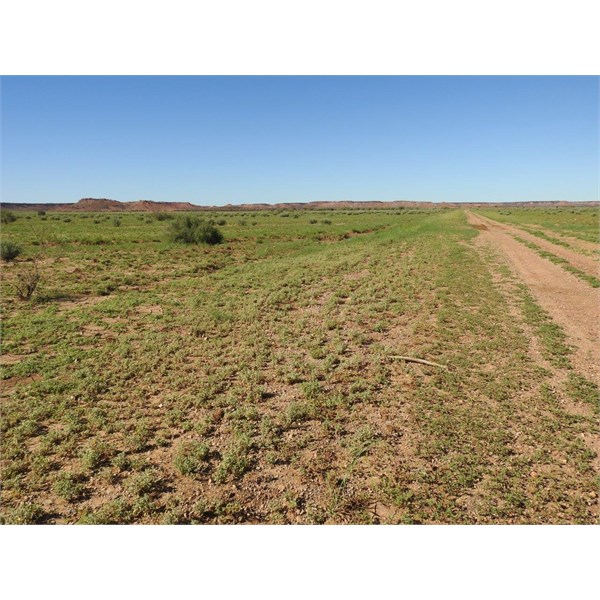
(572,303)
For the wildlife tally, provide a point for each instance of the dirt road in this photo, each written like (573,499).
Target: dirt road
(572,303)
(584,246)
(587,264)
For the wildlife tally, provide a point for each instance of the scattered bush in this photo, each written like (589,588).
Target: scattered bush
(143,483)
(221,222)
(235,460)
(121,461)
(115,512)
(117,222)
(192,230)
(24,514)
(68,487)
(94,455)
(142,436)
(41,213)
(9,251)
(162,216)
(313,221)
(6,216)
(298,411)
(326,222)
(27,281)
(191,457)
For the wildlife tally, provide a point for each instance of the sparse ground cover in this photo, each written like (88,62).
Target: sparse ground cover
(255,381)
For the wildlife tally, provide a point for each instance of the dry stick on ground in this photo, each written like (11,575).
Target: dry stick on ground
(419,360)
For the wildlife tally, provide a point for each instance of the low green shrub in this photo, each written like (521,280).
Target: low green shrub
(162,216)
(192,230)
(191,457)
(6,216)
(9,251)
(68,486)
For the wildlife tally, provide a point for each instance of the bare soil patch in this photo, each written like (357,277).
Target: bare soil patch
(11,359)
(12,382)
(150,310)
(84,302)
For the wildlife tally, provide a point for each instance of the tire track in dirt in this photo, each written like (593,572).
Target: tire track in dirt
(560,376)
(583,246)
(572,303)
(587,264)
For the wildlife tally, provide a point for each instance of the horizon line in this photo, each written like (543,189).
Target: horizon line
(232,204)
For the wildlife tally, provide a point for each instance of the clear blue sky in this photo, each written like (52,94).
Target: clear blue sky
(219,140)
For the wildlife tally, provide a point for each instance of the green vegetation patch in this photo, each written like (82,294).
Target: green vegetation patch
(255,380)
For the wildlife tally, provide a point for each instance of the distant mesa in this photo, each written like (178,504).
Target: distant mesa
(102,204)
(94,204)
(107,205)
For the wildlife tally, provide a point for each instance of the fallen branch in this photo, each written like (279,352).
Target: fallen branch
(419,360)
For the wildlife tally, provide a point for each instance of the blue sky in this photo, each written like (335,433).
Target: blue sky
(219,140)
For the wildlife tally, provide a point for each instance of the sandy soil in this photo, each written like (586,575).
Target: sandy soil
(572,303)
